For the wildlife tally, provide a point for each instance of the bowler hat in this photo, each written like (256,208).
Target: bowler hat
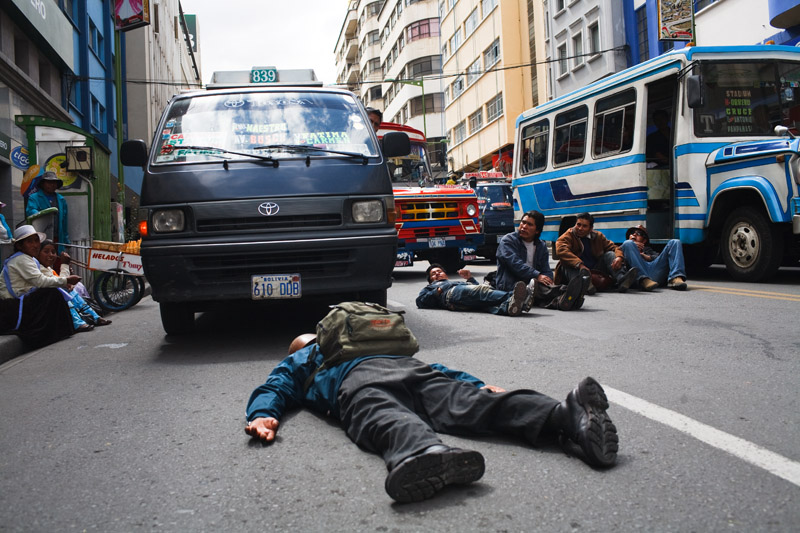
(51,176)
(637,228)
(23,232)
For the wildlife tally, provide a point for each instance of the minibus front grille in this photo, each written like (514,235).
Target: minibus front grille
(269,223)
(237,268)
(428,210)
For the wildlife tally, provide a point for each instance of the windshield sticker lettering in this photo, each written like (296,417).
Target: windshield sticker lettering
(260,128)
(322,137)
(275,138)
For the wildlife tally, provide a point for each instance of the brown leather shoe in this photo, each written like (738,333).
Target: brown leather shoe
(677,283)
(647,284)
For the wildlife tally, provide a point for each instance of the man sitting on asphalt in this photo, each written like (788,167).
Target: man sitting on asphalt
(665,268)
(522,256)
(395,406)
(581,249)
(441,293)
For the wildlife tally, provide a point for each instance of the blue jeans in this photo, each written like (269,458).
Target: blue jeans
(668,264)
(467,297)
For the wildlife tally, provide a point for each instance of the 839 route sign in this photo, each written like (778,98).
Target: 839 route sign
(263,75)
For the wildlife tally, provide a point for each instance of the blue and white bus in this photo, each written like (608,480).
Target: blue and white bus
(721,173)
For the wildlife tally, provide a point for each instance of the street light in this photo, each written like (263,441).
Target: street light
(419,83)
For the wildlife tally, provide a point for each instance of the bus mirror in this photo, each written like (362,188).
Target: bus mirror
(134,153)
(694,91)
(396,144)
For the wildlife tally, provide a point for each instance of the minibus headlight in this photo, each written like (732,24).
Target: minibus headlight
(367,211)
(471,210)
(168,221)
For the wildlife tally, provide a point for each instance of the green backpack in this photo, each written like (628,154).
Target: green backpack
(355,329)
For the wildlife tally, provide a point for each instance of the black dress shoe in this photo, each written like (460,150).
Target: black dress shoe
(422,475)
(586,423)
(625,281)
(575,290)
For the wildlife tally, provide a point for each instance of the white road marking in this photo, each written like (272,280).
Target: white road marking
(113,346)
(752,453)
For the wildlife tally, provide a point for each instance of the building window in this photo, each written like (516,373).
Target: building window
(534,147)
(474,72)
(476,121)
(375,93)
(460,132)
(492,54)
(577,50)
(95,40)
(458,87)
(563,65)
(373,9)
(559,6)
(471,23)
(434,103)
(98,117)
(422,29)
(425,66)
(455,41)
(613,123)
(570,136)
(374,37)
(594,39)
(494,108)
(373,65)
(487,6)
(641,30)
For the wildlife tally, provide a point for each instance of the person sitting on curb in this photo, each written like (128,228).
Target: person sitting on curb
(655,269)
(395,406)
(581,249)
(441,293)
(522,256)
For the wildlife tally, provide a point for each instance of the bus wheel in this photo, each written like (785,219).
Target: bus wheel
(751,246)
(176,318)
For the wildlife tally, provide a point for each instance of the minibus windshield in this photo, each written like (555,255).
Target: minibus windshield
(411,170)
(744,98)
(240,126)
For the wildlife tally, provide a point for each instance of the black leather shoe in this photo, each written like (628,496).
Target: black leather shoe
(587,424)
(625,281)
(568,300)
(422,475)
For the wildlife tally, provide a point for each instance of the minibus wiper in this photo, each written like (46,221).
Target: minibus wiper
(309,148)
(224,151)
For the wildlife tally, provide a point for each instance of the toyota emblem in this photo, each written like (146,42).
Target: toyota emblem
(269,208)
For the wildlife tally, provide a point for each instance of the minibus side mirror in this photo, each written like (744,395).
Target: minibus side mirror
(133,153)
(694,91)
(396,144)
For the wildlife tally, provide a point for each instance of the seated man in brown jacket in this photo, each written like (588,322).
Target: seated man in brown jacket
(581,249)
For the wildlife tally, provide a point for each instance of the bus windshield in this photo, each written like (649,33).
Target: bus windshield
(212,126)
(412,170)
(743,98)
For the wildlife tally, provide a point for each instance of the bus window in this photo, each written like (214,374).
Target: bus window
(748,98)
(570,136)
(613,124)
(534,147)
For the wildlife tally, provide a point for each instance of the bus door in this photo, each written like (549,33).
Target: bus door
(659,145)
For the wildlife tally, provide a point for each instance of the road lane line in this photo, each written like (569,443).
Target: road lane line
(752,453)
(748,292)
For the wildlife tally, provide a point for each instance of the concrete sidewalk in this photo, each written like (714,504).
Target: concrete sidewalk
(10,347)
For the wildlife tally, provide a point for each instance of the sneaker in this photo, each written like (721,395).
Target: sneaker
(518,297)
(587,424)
(627,279)
(422,475)
(528,304)
(677,283)
(567,301)
(647,284)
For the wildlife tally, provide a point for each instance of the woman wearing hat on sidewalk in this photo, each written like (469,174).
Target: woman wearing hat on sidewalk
(31,304)
(47,197)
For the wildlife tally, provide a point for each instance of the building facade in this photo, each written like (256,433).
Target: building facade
(489,77)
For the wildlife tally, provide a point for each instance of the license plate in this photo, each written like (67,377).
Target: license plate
(275,287)
(469,258)
(436,242)
(400,263)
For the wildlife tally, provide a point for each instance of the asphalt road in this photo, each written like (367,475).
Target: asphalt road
(124,429)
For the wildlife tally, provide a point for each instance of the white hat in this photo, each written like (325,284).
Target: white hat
(23,232)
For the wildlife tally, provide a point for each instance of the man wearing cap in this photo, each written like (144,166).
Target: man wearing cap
(31,306)
(665,268)
(396,406)
(47,197)
(441,293)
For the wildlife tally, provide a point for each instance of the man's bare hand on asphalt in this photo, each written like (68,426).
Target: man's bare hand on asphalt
(263,429)
(465,273)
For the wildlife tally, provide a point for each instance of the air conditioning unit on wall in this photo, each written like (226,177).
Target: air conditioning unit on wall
(79,158)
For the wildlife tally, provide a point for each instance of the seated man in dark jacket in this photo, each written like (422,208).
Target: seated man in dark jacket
(395,405)
(522,256)
(441,293)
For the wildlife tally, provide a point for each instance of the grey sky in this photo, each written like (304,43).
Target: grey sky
(240,34)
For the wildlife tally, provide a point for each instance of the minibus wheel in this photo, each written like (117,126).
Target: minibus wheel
(752,247)
(177,318)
